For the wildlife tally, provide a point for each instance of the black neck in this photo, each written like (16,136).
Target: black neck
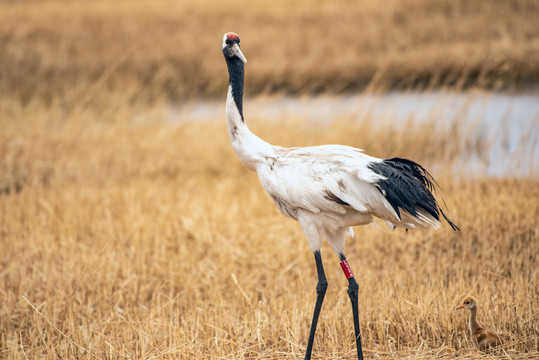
(236,74)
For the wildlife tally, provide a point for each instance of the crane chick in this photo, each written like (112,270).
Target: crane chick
(482,338)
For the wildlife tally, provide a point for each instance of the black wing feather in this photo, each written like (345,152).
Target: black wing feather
(408,186)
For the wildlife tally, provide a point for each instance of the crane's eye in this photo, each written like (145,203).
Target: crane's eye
(467,303)
(228,42)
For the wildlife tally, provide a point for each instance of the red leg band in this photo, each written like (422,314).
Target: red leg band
(346,269)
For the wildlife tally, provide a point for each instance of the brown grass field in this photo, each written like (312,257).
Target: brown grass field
(126,236)
(62,51)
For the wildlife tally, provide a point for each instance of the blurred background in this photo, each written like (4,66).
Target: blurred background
(55,50)
(129,229)
(467,63)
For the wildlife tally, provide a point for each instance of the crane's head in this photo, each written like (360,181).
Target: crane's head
(467,303)
(231,47)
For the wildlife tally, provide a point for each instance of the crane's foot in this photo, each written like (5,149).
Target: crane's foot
(353,290)
(321,288)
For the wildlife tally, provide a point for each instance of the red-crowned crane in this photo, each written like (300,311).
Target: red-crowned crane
(329,188)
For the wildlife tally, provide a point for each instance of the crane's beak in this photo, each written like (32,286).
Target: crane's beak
(236,51)
(461,306)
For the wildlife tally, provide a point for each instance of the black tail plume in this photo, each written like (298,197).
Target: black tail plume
(408,186)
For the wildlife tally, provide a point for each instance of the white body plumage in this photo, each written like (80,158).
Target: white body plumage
(307,183)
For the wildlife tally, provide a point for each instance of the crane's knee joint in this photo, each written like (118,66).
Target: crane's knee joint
(353,287)
(321,287)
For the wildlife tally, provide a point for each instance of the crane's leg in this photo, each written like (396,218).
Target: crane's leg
(320,293)
(353,288)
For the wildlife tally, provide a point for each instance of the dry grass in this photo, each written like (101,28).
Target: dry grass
(130,238)
(59,50)
(123,235)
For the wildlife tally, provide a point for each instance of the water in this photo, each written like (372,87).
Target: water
(505,126)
